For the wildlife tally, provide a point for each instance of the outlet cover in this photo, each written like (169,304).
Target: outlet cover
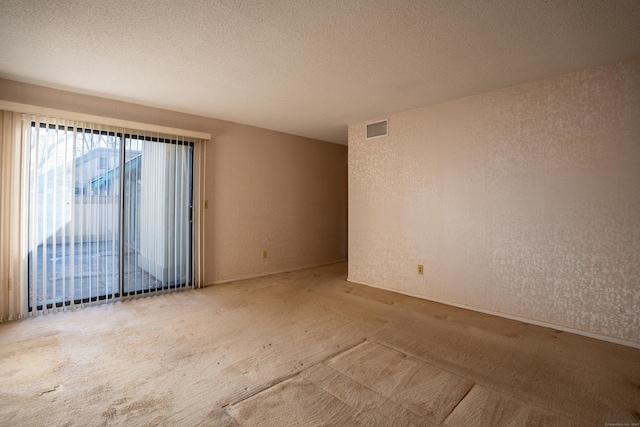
(420,269)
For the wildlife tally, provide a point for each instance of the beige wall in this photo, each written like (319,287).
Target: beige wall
(523,201)
(274,192)
(266,190)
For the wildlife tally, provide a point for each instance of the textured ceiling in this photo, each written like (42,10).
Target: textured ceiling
(306,67)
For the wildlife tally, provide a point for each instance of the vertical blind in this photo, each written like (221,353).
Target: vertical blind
(109,212)
(12,235)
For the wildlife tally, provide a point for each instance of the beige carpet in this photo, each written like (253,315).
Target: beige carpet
(306,348)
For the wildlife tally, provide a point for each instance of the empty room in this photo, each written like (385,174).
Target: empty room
(305,213)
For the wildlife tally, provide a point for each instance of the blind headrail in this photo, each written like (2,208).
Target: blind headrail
(109,121)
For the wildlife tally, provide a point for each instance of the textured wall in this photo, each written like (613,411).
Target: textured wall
(523,201)
(266,190)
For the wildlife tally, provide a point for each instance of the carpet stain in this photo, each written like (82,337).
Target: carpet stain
(53,390)
(120,401)
(110,413)
(145,405)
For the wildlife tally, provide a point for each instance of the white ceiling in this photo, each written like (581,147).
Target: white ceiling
(306,67)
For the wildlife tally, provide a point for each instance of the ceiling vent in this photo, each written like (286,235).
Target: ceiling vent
(377,129)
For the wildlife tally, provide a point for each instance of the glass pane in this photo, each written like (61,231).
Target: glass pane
(157,215)
(74,215)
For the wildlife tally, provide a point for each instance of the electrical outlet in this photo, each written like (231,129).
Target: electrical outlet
(264,254)
(420,269)
(206,204)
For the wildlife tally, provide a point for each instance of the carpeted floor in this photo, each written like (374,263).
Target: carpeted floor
(306,348)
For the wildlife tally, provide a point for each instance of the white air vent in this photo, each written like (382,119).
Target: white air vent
(377,129)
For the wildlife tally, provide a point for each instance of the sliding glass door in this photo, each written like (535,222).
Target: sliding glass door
(157,220)
(109,214)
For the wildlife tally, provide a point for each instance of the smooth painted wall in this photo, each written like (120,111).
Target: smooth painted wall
(266,190)
(523,201)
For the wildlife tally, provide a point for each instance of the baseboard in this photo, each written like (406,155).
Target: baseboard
(508,316)
(273,272)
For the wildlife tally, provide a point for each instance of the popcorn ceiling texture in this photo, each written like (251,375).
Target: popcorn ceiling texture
(523,201)
(286,65)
